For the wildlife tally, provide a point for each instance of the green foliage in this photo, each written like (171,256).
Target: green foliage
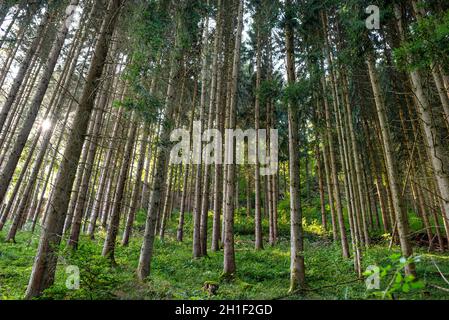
(146,104)
(428,43)
(260,274)
(297,93)
(98,278)
(313,227)
(310,222)
(15,265)
(140,219)
(394,278)
(269,90)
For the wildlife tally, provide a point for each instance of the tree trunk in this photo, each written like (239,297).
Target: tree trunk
(297,267)
(113,227)
(44,267)
(18,80)
(104,177)
(229,266)
(392,169)
(435,152)
(8,170)
(137,187)
(160,171)
(257,187)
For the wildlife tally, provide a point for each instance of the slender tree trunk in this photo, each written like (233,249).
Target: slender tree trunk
(185,190)
(91,147)
(297,267)
(18,184)
(136,191)
(319,169)
(213,105)
(35,171)
(8,171)
(166,206)
(392,169)
(221,98)
(104,177)
(160,172)
(113,228)
(18,80)
(435,152)
(257,187)
(330,189)
(334,178)
(197,151)
(229,265)
(44,267)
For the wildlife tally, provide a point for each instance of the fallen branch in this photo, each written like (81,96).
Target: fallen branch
(438,287)
(441,274)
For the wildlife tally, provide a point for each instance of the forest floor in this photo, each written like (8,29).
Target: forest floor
(260,274)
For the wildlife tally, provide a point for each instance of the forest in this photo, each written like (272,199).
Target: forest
(224,149)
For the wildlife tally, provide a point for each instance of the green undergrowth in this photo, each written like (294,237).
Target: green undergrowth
(260,274)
